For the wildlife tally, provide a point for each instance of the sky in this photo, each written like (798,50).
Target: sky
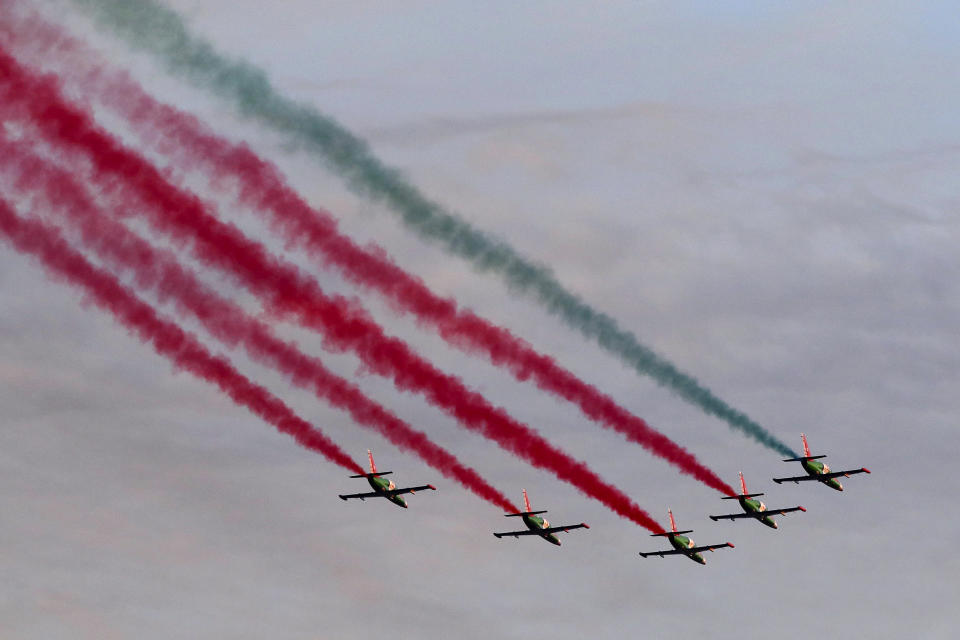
(763,192)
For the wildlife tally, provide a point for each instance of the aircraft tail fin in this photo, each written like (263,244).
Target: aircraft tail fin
(673,528)
(806,452)
(805,458)
(743,491)
(373,473)
(670,533)
(526,505)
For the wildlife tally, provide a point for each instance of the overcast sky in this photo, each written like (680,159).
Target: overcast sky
(765,193)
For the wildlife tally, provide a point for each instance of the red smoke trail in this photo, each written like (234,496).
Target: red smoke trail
(262,188)
(167,339)
(159,270)
(282,286)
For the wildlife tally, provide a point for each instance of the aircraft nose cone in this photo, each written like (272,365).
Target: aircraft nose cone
(775,525)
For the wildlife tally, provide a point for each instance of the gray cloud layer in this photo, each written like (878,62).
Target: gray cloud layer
(781,223)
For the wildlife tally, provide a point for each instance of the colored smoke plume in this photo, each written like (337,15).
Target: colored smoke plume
(280,285)
(147,25)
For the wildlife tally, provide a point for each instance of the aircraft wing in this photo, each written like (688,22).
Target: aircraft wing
(397,492)
(780,512)
(732,516)
(362,496)
(672,552)
(822,476)
(515,534)
(801,478)
(569,527)
(710,547)
(837,474)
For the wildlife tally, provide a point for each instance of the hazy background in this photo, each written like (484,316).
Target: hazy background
(763,192)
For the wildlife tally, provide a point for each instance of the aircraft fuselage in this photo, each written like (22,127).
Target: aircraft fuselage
(816,468)
(382,485)
(683,544)
(756,508)
(536,523)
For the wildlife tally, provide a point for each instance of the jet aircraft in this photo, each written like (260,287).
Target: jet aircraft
(817,470)
(753,508)
(383,488)
(682,545)
(537,526)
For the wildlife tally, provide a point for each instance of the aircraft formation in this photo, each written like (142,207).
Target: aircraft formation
(681,543)
(60,160)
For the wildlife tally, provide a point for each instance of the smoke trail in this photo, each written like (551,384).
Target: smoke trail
(262,187)
(145,24)
(280,285)
(167,339)
(125,251)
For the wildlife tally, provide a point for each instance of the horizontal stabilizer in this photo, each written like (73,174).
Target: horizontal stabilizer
(524,513)
(373,475)
(670,533)
(742,495)
(804,458)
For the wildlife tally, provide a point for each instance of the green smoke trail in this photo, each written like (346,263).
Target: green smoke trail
(147,25)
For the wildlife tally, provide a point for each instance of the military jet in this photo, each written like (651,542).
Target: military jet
(754,508)
(817,470)
(682,545)
(383,488)
(537,526)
